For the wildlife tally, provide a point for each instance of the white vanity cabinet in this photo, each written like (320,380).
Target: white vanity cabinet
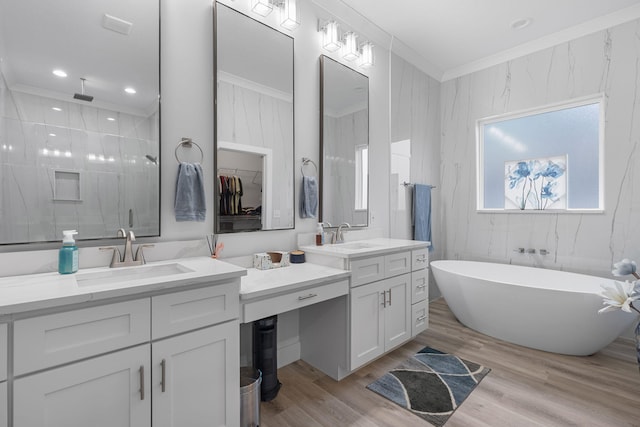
(380,310)
(164,360)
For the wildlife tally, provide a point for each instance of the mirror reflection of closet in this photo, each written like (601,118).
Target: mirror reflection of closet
(254,124)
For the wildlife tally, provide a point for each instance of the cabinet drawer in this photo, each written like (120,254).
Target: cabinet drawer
(419,259)
(45,341)
(419,317)
(367,270)
(3,352)
(182,311)
(397,264)
(279,304)
(419,285)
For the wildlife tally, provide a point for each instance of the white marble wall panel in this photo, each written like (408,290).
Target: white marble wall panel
(604,62)
(415,117)
(108,156)
(252,118)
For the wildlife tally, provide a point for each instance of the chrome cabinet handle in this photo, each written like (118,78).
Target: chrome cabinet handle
(163,381)
(307,297)
(384,298)
(421,318)
(421,286)
(389,297)
(141,371)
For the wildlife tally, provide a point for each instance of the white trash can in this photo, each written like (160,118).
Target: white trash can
(250,380)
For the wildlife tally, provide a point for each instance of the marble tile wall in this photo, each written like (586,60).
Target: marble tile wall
(248,117)
(415,148)
(107,159)
(603,62)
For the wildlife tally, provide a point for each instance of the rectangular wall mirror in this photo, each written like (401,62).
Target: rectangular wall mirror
(546,159)
(344,144)
(76,150)
(254,125)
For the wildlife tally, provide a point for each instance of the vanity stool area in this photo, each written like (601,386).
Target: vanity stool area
(355,301)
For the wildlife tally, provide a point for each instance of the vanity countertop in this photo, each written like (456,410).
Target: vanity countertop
(48,290)
(365,248)
(262,283)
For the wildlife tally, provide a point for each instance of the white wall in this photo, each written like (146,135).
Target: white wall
(606,62)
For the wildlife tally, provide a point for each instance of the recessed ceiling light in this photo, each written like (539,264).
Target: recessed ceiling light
(52,134)
(56,108)
(521,23)
(60,73)
(130,90)
(111,119)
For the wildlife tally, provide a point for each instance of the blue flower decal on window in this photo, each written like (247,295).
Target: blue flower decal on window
(533,183)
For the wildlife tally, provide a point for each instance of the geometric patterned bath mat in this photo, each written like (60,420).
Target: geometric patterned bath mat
(431,384)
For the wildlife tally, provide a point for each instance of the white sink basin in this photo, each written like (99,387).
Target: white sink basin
(125,274)
(354,246)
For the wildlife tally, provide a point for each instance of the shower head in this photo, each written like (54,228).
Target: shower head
(152,159)
(82,96)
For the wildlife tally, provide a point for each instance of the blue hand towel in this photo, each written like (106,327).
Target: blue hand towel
(309,197)
(422,213)
(190,202)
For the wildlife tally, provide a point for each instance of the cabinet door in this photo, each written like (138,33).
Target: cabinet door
(367,323)
(397,313)
(196,378)
(4,418)
(106,391)
(3,351)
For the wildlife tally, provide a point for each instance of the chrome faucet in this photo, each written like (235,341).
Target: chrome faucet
(339,236)
(127,259)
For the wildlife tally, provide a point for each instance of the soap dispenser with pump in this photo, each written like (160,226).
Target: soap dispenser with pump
(68,255)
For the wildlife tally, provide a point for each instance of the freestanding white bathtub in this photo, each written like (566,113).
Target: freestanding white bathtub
(543,309)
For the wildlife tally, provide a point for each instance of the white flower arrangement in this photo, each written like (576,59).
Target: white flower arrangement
(622,294)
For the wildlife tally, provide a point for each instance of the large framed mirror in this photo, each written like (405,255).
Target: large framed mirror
(77,151)
(344,144)
(254,125)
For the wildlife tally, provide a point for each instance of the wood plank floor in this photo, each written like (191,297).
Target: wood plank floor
(524,388)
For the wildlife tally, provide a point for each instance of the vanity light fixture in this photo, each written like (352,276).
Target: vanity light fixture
(331,36)
(289,15)
(262,7)
(350,50)
(366,56)
(288,11)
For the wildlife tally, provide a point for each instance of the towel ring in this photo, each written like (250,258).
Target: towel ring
(305,162)
(187,142)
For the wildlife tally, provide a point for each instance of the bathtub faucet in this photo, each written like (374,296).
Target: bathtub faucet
(531,251)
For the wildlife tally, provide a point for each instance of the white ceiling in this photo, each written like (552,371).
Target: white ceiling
(37,36)
(455,37)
